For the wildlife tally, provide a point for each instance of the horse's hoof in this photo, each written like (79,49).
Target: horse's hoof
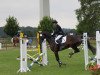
(60,65)
(63,64)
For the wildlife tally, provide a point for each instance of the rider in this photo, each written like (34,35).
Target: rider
(58,32)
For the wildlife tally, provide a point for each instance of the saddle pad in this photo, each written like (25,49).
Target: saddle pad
(63,39)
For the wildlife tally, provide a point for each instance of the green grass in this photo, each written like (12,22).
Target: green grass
(74,66)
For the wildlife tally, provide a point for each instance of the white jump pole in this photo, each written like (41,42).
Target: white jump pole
(98,47)
(44,51)
(44,11)
(0,45)
(23,56)
(85,49)
(44,61)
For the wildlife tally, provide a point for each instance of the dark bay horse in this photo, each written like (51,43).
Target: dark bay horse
(72,41)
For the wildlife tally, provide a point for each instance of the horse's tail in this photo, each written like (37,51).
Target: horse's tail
(93,50)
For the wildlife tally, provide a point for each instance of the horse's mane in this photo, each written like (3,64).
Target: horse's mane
(46,33)
(48,36)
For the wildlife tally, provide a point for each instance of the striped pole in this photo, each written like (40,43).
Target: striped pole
(98,47)
(23,56)
(85,50)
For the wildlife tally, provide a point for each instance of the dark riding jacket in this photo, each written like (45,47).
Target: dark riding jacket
(58,30)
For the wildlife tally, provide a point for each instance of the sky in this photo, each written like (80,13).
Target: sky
(27,12)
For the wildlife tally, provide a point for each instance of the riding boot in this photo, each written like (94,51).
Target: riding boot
(60,46)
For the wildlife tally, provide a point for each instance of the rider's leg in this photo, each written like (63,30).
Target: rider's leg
(60,43)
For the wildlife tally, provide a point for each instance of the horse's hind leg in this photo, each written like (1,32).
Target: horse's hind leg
(76,50)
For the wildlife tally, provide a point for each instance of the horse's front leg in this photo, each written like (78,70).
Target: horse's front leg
(57,58)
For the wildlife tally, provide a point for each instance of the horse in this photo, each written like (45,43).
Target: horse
(73,41)
(15,40)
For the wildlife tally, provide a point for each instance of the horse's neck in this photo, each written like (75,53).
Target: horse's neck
(50,40)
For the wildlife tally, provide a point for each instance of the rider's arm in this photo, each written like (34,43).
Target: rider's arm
(60,30)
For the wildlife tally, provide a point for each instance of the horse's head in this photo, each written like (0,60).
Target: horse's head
(46,35)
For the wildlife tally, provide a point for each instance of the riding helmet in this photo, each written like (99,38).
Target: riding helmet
(54,21)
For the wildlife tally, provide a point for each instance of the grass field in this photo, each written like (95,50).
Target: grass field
(74,66)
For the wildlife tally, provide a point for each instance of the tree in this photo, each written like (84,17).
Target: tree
(88,16)
(45,24)
(29,31)
(12,26)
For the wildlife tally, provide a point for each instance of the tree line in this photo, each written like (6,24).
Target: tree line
(29,31)
(12,28)
(32,31)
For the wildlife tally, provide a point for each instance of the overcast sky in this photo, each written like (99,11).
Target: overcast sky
(27,12)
